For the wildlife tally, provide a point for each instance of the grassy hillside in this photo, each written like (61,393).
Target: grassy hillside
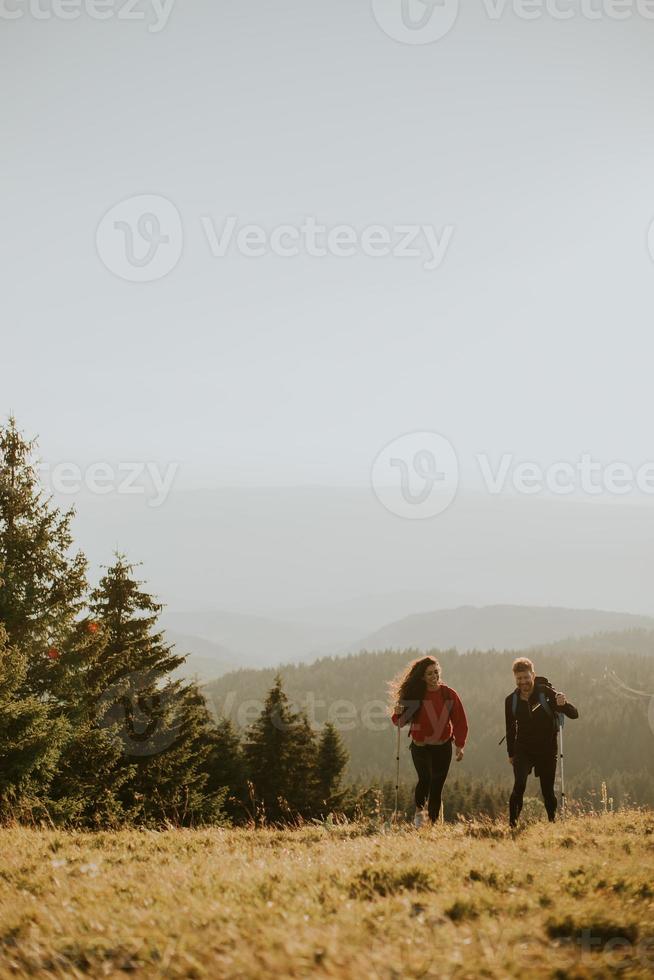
(465,900)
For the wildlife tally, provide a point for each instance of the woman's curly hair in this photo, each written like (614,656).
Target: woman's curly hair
(409,686)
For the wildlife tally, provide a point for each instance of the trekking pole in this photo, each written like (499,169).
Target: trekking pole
(397,774)
(563,799)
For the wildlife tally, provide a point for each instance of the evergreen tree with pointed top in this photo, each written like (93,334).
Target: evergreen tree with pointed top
(268,751)
(164,724)
(128,617)
(280,756)
(305,796)
(43,586)
(331,760)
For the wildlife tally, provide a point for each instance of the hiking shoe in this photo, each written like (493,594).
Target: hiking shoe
(419,819)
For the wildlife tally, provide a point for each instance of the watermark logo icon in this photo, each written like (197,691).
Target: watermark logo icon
(148,719)
(417,475)
(141,239)
(416,21)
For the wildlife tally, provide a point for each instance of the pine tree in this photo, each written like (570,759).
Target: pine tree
(303,796)
(331,761)
(267,750)
(227,768)
(91,777)
(30,740)
(173,785)
(92,769)
(280,754)
(128,617)
(43,586)
(165,725)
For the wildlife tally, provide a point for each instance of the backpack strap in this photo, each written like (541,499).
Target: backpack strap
(556,716)
(545,704)
(514,704)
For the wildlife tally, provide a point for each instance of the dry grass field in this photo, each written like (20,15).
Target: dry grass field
(571,900)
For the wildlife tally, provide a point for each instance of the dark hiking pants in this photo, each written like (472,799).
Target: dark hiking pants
(545,770)
(432,764)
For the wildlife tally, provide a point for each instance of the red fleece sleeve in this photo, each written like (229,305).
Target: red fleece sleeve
(459,722)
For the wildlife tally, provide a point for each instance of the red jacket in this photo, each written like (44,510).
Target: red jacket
(439,718)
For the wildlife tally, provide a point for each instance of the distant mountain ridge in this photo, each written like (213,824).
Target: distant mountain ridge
(218,642)
(500,627)
(205,660)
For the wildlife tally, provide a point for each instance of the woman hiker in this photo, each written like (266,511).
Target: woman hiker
(437,718)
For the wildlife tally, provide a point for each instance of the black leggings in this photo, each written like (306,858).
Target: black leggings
(522,765)
(432,764)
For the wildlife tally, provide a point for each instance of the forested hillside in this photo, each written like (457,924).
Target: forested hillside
(608,677)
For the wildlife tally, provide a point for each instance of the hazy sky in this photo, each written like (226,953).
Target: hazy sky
(532,139)
(527,147)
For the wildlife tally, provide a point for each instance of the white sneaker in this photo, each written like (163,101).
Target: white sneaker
(419,818)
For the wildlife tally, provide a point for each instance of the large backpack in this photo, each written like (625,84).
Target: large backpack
(541,682)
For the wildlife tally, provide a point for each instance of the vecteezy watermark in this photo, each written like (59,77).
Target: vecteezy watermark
(586,476)
(615,945)
(426,21)
(142,239)
(606,944)
(416,21)
(344,714)
(619,689)
(340,241)
(155,12)
(417,475)
(569,9)
(147,719)
(146,479)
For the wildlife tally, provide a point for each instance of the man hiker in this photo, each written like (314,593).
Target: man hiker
(531,734)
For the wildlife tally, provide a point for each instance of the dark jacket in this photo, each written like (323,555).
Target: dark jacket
(533,731)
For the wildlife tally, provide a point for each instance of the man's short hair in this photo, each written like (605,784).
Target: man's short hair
(522,663)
